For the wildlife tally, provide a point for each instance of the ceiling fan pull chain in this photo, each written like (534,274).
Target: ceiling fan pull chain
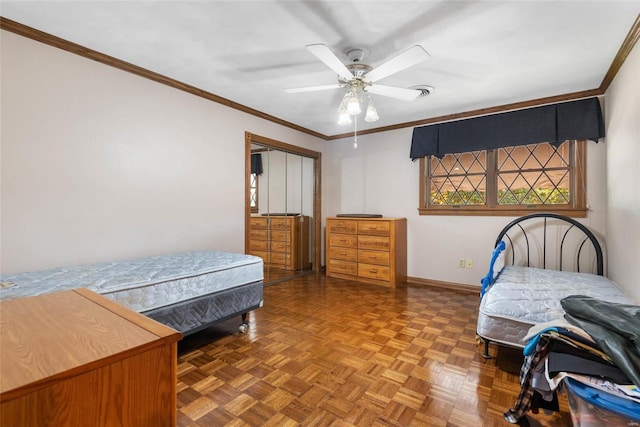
(355,132)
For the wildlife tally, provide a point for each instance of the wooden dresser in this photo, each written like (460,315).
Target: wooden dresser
(372,250)
(75,358)
(281,241)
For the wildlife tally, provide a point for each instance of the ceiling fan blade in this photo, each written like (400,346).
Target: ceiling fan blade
(394,92)
(324,54)
(313,88)
(410,57)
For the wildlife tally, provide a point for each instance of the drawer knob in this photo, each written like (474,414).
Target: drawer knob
(373,271)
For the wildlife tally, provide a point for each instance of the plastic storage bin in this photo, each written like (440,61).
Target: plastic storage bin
(591,407)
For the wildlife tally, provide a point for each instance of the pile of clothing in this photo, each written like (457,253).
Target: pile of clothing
(597,343)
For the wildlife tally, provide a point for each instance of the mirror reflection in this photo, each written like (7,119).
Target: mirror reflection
(281,198)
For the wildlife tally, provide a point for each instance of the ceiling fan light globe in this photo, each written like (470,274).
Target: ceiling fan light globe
(372,114)
(344,119)
(353,106)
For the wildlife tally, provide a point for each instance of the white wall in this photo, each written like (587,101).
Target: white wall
(623,175)
(98,164)
(379,177)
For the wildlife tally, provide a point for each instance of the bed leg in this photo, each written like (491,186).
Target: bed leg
(486,354)
(244,326)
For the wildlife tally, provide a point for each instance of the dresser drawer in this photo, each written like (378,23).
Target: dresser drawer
(343,267)
(343,240)
(257,222)
(373,257)
(280,235)
(258,245)
(280,246)
(280,222)
(373,228)
(346,254)
(279,259)
(377,272)
(274,259)
(342,226)
(263,234)
(258,233)
(378,243)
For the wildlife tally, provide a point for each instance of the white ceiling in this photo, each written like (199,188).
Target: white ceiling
(482,53)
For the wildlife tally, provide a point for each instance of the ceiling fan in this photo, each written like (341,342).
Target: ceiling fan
(360,79)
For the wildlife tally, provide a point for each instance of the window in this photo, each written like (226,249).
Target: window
(253,192)
(506,181)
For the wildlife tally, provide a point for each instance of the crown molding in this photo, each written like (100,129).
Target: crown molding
(480,112)
(626,48)
(51,40)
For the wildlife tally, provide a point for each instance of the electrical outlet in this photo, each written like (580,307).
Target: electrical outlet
(469,263)
(461,263)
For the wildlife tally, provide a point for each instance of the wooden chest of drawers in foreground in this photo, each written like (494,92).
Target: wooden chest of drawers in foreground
(371,250)
(75,358)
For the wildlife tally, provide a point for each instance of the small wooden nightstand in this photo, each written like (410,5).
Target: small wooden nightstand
(75,358)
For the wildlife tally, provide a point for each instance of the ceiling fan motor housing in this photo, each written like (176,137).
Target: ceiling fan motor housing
(358,70)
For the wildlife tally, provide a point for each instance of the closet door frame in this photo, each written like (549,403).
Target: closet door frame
(316,226)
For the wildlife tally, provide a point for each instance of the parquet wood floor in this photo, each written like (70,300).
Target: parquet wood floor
(328,352)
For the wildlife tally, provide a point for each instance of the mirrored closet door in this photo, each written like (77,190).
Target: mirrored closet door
(283,205)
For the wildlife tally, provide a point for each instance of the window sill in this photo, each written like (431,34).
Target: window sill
(502,211)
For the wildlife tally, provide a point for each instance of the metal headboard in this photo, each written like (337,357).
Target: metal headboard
(571,224)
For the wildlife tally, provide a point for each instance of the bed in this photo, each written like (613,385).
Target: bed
(187,291)
(538,259)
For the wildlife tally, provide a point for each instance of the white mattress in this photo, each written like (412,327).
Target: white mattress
(145,283)
(524,296)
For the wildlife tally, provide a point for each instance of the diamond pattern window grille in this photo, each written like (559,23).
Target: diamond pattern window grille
(536,174)
(253,193)
(459,179)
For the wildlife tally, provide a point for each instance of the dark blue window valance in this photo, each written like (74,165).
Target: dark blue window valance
(256,163)
(555,124)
